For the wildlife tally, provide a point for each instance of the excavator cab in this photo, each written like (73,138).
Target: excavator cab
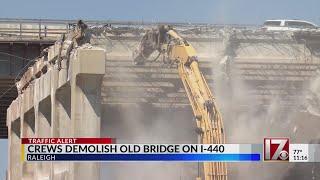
(153,40)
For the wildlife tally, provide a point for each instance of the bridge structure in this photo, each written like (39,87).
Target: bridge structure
(272,67)
(268,63)
(65,102)
(23,40)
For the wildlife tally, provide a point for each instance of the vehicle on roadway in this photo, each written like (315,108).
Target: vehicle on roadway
(287,25)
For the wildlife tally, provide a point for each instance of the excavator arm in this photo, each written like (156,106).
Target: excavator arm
(208,118)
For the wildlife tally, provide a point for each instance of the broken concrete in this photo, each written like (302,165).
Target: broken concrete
(57,103)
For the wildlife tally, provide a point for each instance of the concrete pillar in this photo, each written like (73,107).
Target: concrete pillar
(87,70)
(61,100)
(60,103)
(14,162)
(28,127)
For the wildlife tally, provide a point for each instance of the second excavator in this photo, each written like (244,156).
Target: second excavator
(176,50)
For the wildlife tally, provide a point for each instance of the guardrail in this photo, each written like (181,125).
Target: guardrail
(32,29)
(114,22)
(50,28)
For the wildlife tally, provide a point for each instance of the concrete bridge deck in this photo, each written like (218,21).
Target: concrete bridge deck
(268,62)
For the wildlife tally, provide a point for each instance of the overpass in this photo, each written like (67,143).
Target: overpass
(267,62)
(20,42)
(275,68)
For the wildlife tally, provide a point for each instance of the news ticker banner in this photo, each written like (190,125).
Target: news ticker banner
(105,149)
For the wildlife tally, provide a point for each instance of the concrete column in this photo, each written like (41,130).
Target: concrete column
(37,166)
(28,126)
(54,85)
(14,164)
(61,125)
(87,70)
(54,123)
(62,101)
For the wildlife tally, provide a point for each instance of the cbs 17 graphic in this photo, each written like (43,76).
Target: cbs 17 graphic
(276,149)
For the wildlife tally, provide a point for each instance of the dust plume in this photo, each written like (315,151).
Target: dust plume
(134,124)
(247,119)
(142,123)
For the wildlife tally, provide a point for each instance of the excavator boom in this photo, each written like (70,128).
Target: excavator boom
(207,116)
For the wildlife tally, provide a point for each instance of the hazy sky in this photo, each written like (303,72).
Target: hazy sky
(3,158)
(210,11)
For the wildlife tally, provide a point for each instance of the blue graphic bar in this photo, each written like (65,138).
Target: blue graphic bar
(144,157)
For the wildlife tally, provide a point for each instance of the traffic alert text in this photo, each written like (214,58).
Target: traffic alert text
(105,149)
(123,148)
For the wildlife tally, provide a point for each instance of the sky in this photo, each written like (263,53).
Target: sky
(3,158)
(204,11)
(207,11)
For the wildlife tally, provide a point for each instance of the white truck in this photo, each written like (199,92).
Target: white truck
(287,25)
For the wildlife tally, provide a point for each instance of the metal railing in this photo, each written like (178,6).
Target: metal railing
(32,29)
(50,28)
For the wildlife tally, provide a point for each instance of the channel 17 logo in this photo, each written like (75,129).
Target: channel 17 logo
(276,149)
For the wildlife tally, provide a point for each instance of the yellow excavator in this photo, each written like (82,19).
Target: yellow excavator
(176,50)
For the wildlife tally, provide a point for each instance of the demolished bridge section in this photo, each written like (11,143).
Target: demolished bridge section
(59,96)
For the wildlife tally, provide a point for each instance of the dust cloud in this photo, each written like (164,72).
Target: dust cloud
(143,123)
(246,120)
(136,124)
(313,97)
